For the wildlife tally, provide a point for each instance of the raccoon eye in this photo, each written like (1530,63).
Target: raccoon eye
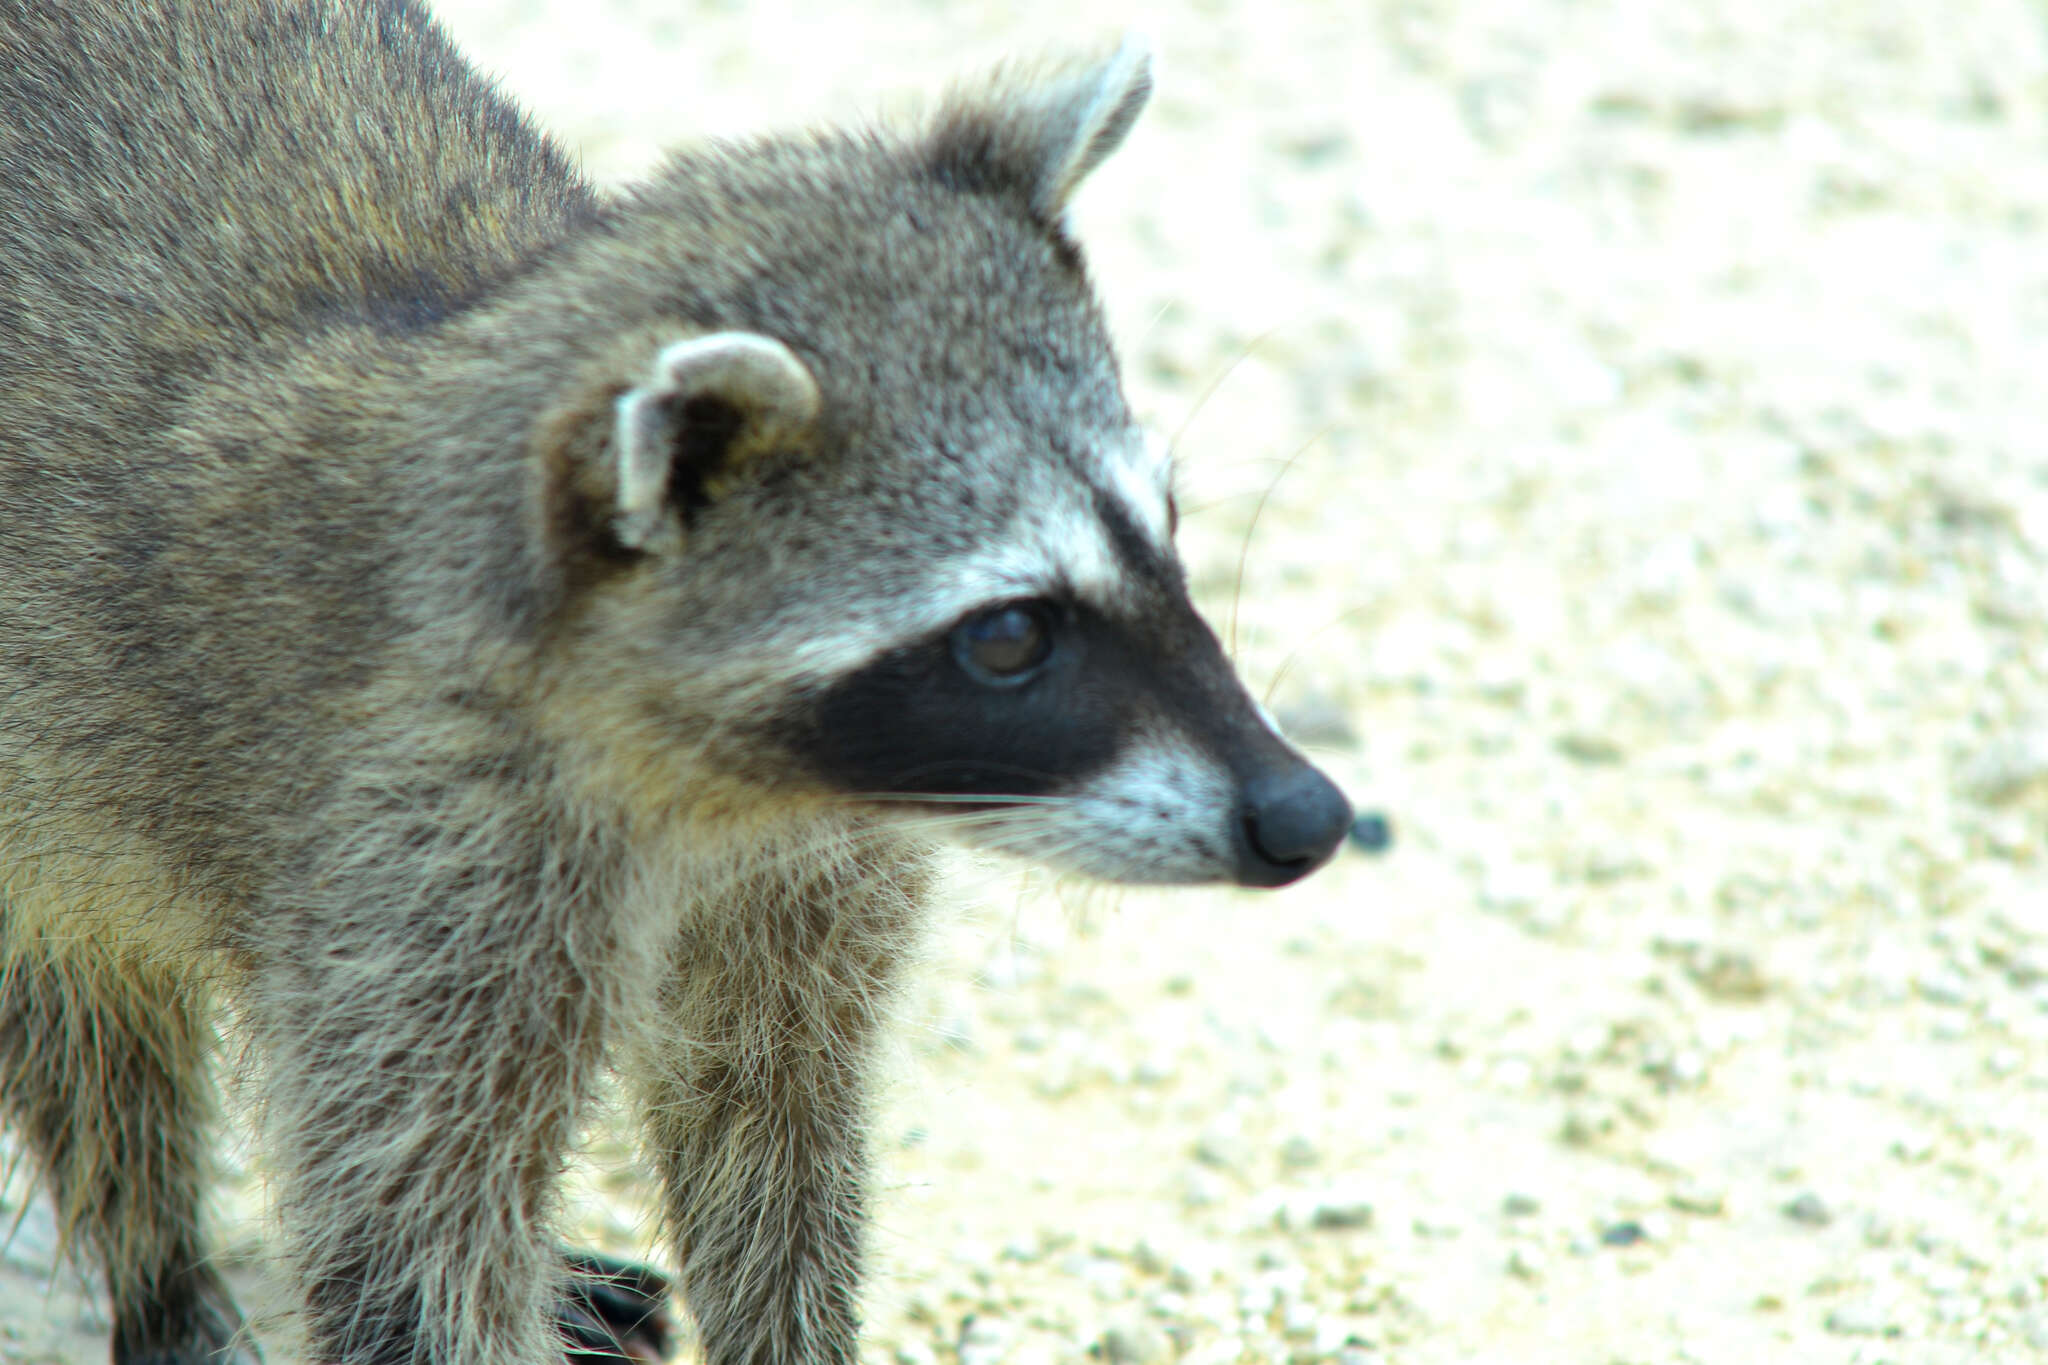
(1003,647)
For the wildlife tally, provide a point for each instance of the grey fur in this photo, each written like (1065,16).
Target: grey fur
(342,676)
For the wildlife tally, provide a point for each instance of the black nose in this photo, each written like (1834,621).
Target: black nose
(1290,822)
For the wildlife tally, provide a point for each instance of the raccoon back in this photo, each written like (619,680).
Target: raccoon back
(181,181)
(210,213)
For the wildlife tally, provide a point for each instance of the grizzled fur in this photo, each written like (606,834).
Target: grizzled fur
(451,615)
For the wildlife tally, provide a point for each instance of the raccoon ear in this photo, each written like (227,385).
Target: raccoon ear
(712,405)
(1042,132)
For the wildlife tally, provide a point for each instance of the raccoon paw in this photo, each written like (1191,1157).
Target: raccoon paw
(190,1319)
(614,1313)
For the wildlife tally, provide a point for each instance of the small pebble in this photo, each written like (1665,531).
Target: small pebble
(1199,1189)
(1697,1200)
(1135,1343)
(1223,1151)
(1861,1318)
(1098,1272)
(1299,1152)
(1942,987)
(983,1340)
(1624,1234)
(1319,1210)
(1519,1205)
(1147,1256)
(1194,1267)
(1341,1215)
(2004,770)
(1591,750)
(1726,973)
(1809,1209)
(1372,832)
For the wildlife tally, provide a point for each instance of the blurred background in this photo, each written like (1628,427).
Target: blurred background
(1612,436)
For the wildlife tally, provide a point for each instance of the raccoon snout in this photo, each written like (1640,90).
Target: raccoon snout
(1290,820)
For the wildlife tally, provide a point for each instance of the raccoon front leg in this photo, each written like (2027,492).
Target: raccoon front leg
(614,1312)
(432,1026)
(104,1072)
(756,1105)
(420,1124)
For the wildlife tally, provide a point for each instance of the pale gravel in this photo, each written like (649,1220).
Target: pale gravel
(1642,401)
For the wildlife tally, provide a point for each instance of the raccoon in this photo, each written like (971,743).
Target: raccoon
(480,632)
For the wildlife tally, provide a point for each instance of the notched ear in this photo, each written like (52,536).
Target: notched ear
(1042,130)
(689,432)
(630,449)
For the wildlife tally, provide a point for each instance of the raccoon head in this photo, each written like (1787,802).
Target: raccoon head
(873,501)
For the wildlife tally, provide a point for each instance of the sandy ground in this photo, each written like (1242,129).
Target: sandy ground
(1641,402)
